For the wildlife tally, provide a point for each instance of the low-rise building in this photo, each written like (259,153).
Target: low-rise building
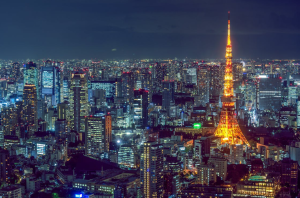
(11,192)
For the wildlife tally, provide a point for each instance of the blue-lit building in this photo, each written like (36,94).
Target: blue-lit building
(51,84)
(108,86)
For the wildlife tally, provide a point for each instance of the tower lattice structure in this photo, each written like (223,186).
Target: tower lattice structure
(228,129)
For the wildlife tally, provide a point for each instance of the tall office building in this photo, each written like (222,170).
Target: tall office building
(30,118)
(94,131)
(269,92)
(203,84)
(140,108)
(168,94)
(108,131)
(66,89)
(79,107)
(146,83)
(127,87)
(118,91)
(19,118)
(160,73)
(5,168)
(151,173)
(216,82)
(8,120)
(31,76)
(51,84)
(61,124)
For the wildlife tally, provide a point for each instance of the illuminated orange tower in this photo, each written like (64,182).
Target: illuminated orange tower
(228,128)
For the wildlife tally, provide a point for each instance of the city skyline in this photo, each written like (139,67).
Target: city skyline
(137,30)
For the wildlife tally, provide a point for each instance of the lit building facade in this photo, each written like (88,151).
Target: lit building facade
(140,108)
(108,86)
(203,84)
(79,107)
(30,118)
(128,87)
(51,84)
(126,157)
(168,94)
(94,131)
(41,148)
(269,92)
(151,171)
(206,174)
(220,165)
(31,76)
(258,186)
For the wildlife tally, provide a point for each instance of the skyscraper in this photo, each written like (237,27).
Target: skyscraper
(61,124)
(127,86)
(66,89)
(8,120)
(30,118)
(168,93)
(31,76)
(160,73)
(269,92)
(94,131)
(146,83)
(51,84)
(203,84)
(151,174)
(228,129)
(140,108)
(78,102)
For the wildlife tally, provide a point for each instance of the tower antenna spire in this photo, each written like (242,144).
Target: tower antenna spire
(228,39)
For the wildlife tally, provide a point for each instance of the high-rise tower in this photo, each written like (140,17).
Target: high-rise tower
(228,128)
(78,102)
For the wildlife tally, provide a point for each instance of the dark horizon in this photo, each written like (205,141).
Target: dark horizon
(136,30)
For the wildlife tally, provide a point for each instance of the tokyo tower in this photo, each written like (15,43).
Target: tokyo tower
(228,129)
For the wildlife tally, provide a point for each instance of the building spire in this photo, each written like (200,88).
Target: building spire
(228,39)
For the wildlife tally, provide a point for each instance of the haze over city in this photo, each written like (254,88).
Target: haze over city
(72,29)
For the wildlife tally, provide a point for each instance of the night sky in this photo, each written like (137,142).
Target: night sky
(67,29)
